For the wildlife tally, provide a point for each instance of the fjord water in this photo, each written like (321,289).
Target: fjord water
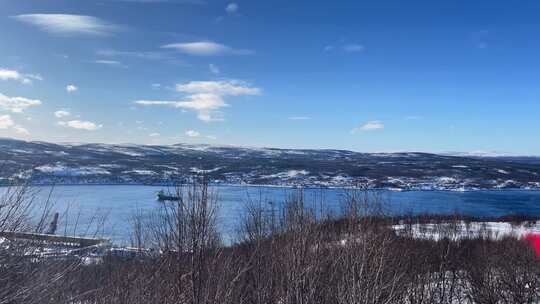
(79,205)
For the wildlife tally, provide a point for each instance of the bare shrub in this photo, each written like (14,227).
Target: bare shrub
(285,253)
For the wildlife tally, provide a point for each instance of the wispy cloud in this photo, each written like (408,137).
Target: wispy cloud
(228,87)
(135,54)
(353,48)
(6,74)
(21,130)
(206,48)
(6,121)
(299,118)
(112,63)
(17,104)
(155,134)
(62,113)
(71,88)
(232,8)
(205,105)
(206,98)
(81,125)
(214,69)
(369,126)
(329,48)
(482,38)
(349,48)
(192,133)
(69,25)
(197,134)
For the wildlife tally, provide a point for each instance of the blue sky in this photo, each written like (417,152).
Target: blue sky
(362,75)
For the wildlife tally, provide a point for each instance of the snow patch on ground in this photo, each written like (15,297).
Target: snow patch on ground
(141,172)
(167,167)
(111,166)
(507,184)
(127,152)
(446,180)
(287,174)
(61,170)
(22,151)
(341,178)
(202,171)
(56,153)
(463,230)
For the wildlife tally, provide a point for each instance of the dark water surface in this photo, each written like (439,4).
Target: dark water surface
(120,203)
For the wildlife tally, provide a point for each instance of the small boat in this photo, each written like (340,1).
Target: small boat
(162,196)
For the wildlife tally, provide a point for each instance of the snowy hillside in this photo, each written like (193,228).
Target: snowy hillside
(47,163)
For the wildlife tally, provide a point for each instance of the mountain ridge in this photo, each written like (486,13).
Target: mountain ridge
(39,162)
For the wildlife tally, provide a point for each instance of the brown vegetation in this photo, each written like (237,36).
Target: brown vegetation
(288,255)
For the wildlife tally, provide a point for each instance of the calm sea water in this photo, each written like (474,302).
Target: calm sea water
(78,205)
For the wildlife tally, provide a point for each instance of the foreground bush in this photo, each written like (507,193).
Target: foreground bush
(292,255)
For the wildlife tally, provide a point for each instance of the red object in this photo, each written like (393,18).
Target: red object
(534,240)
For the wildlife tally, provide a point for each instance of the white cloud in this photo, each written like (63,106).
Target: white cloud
(204,104)
(154,134)
(232,8)
(62,113)
(33,76)
(369,126)
(21,130)
(6,74)
(206,48)
(69,25)
(206,98)
(156,103)
(5,121)
(214,69)
(111,63)
(82,125)
(17,104)
(9,75)
(210,116)
(224,87)
(299,118)
(412,117)
(192,133)
(71,88)
(353,48)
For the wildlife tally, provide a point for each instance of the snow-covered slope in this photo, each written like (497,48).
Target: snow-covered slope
(41,162)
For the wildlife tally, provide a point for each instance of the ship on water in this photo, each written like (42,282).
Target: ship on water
(162,196)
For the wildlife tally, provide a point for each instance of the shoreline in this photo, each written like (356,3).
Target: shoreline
(397,190)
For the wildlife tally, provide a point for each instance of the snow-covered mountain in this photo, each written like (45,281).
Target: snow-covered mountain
(48,163)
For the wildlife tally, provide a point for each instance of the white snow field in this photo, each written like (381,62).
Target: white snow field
(463,230)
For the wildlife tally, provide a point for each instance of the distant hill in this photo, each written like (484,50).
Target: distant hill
(49,163)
